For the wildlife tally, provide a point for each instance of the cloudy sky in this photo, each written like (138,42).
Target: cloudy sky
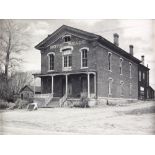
(137,32)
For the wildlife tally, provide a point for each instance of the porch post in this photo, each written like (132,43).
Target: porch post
(34,89)
(95,84)
(88,80)
(66,85)
(52,85)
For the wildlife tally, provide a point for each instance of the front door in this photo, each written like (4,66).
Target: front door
(83,85)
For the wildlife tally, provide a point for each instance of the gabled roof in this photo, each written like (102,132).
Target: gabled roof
(89,36)
(37,88)
(66,28)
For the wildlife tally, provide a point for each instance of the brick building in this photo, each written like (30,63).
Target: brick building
(76,62)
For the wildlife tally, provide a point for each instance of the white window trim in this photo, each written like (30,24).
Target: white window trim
(63,48)
(81,56)
(66,35)
(110,92)
(121,85)
(65,68)
(110,62)
(130,69)
(63,54)
(50,53)
(121,66)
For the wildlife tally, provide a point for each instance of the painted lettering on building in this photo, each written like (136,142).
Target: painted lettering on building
(74,43)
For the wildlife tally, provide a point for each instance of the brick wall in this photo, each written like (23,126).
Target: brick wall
(103,74)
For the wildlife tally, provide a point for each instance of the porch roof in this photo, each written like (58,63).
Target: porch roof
(54,73)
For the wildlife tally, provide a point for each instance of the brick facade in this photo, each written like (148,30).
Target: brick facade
(97,64)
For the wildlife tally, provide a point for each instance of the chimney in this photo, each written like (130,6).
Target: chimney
(116,39)
(142,59)
(131,49)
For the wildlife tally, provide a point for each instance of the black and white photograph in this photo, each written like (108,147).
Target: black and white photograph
(77,77)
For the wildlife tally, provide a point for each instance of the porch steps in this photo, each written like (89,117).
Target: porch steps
(53,103)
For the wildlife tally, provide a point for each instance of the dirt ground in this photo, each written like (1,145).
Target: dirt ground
(136,118)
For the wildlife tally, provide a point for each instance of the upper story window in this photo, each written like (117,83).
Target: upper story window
(67,38)
(140,77)
(67,58)
(120,65)
(84,57)
(130,69)
(121,88)
(110,86)
(51,61)
(109,61)
(143,76)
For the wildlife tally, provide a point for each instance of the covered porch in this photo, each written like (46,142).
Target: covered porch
(70,85)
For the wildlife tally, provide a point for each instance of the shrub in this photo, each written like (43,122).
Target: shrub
(3,104)
(21,103)
(83,103)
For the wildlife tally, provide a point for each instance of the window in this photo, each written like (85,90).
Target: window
(67,38)
(51,61)
(140,75)
(121,61)
(121,88)
(130,64)
(130,93)
(143,76)
(84,57)
(67,58)
(109,61)
(110,86)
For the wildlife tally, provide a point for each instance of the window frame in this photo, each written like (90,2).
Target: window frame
(49,63)
(140,75)
(121,66)
(67,54)
(110,81)
(109,61)
(81,51)
(130,69)
(66,37)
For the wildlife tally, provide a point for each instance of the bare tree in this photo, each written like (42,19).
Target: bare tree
(12,42)
(19,80)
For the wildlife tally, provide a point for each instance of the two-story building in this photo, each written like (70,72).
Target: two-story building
(76,62)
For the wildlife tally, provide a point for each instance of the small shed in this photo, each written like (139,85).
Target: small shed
(27,92)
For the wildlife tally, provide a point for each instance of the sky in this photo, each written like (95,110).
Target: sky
(140,33)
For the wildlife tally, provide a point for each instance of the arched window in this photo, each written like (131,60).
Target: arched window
(110,86)
(67,38)
(109,61)
(121,61)
(130,69)
(121,88)
(67,58)
(51,61)
(84,57)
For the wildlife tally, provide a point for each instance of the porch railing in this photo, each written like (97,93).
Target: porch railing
(62,100)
